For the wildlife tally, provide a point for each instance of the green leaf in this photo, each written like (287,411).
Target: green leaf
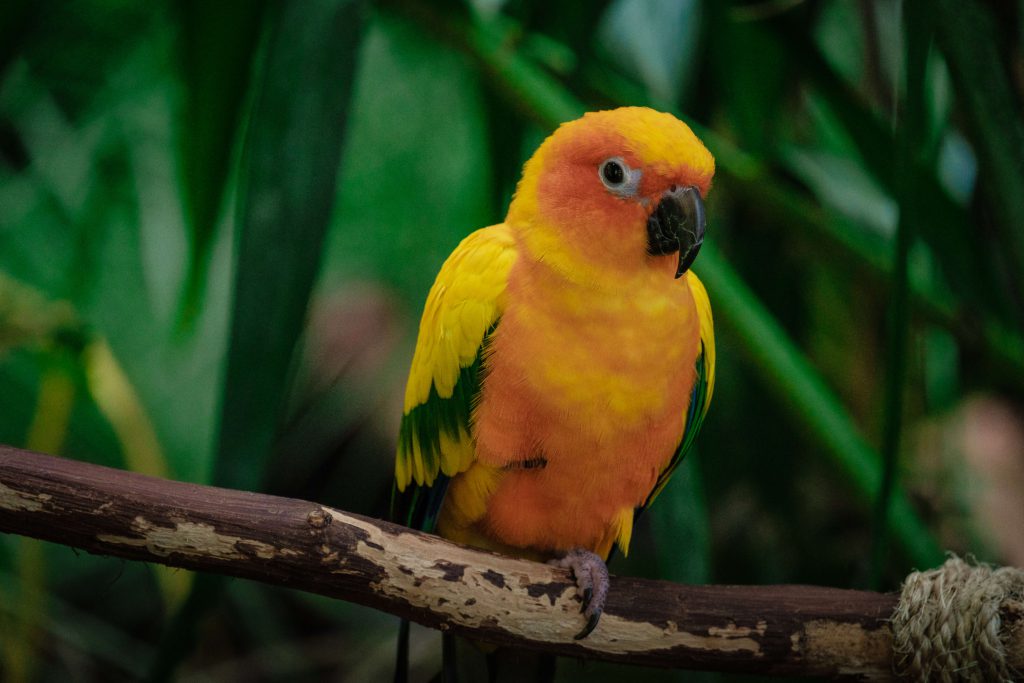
(787,370)
(414,178)
(656,42)
(966,30)
(218,43)
(292,154)
(945,225)
(751,73)
(291,157)
(910,135)
(568,25)
(17,18)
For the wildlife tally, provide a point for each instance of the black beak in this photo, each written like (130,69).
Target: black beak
(677,225)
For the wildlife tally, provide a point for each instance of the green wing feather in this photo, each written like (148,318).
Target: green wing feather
(435,440)
(430,429)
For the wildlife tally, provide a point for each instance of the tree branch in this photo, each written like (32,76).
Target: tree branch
(792,630)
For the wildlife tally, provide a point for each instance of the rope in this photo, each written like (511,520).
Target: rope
(947,626)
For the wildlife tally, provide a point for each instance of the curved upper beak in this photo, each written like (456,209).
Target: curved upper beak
(677,225)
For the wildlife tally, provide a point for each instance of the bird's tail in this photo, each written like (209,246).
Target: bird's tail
(402,653)
(511,665)
(468,658)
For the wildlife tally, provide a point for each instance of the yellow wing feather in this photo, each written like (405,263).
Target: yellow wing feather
(467,298)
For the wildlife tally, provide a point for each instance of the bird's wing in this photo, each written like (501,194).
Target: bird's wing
(435,440)
(700,396)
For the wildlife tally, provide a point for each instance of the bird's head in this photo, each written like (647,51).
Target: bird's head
(618,191)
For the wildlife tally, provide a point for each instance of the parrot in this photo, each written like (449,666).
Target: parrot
(565,359)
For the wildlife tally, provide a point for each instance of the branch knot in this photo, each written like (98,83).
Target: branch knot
(318,519)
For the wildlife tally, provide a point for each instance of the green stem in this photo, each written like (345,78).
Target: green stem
(908,143)
(790,374)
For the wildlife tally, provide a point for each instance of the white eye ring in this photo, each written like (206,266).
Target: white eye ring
(618,177)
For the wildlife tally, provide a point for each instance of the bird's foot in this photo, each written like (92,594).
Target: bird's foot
(591,574)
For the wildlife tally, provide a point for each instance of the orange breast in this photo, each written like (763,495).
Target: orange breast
(589,387)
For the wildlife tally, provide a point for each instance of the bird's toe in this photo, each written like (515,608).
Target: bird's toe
(591,575)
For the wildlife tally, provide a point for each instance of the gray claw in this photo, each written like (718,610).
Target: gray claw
(591,574)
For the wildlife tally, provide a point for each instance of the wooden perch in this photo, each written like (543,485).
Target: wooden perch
(771,630)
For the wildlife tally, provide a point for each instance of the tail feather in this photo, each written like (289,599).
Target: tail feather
(449,662)
(511,665)
(402,653)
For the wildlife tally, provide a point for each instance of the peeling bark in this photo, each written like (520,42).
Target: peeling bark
(775,630)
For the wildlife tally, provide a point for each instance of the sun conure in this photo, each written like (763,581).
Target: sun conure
(565,358)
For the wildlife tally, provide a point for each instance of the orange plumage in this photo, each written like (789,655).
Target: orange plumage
(550,394)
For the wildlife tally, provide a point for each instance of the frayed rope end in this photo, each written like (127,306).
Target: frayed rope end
(954,623)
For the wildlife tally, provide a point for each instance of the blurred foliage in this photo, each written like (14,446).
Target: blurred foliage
(218,224)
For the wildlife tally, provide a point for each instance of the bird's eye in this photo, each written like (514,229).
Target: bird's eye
(618,177)
(613,173)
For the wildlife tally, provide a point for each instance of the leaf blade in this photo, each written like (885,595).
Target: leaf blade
(217,45)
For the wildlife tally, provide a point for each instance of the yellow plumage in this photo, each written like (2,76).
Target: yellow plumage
(560,371)
(466,299)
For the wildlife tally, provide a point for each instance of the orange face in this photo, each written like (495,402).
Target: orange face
(598,181)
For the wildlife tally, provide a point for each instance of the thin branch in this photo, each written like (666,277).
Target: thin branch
(791,630)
